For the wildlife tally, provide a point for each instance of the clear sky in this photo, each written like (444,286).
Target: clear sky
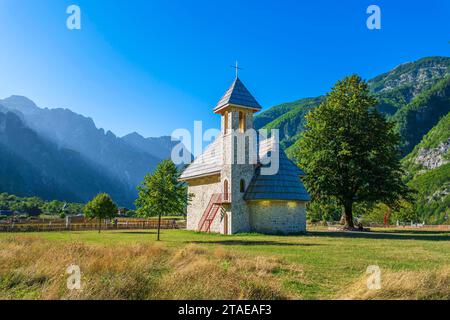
(152,66)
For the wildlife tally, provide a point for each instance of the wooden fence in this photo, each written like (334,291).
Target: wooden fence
(61,225)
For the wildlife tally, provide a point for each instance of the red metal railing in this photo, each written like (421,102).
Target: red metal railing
(215,203)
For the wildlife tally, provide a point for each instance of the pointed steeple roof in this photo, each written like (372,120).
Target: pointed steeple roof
(238,95)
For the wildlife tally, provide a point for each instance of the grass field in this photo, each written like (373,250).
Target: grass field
(189,265)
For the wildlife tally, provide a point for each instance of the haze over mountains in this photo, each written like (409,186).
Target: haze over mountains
(109,163)
(30,165)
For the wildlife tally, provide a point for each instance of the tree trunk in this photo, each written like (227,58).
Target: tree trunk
(99,224)
(342,220)
(159,225)
(348,215)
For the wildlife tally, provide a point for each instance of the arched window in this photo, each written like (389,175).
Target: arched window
(225,189)
(242,185)
(241,121)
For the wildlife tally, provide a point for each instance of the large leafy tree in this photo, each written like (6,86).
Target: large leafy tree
(350,152)
(162,194)
(101,207)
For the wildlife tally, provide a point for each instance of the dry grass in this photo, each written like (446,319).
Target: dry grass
(199,274)
(419,285)
(33,268)
(187,265)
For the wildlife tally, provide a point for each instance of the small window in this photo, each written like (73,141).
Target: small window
(242,185)
(225,123)
(241,121)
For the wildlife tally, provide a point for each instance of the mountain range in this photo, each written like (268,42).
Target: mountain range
(428,169)
(58,154)
(414,94)
(63,155)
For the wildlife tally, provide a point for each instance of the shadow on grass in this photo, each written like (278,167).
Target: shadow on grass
(255,243)
(391,235)
(418,232)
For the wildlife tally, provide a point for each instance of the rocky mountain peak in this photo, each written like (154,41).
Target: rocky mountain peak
(20,103)
(431,158)
(412,77)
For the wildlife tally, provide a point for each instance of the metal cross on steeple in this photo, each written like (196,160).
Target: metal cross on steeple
(236,67)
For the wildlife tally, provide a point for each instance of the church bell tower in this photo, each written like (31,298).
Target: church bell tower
(239,152)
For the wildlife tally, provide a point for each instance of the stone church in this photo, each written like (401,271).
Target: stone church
(234,195)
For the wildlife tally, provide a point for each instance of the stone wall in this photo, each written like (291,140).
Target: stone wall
(277,216)
(203,189)
(240,215)
(240,171)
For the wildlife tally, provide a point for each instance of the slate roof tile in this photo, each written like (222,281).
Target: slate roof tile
(238,94)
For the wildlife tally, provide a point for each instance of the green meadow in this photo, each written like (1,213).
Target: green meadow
(188,265)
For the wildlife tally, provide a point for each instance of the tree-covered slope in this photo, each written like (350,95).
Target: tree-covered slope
(414,75)
(277,111)
(411,86)
(17,176)
(398,87)
(422,113)
(291,123)
(428,169)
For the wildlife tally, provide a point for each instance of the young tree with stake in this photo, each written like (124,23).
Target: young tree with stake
(162,194)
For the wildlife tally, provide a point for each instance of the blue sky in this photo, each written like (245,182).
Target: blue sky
(154,66)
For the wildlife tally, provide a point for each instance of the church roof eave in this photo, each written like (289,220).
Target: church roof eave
(219,109)
(192,177)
